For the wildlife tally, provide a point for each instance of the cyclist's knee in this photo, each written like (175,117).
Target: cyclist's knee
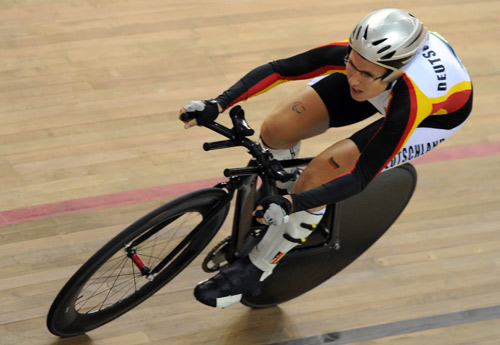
(274,134)
(268,131)
(310,178)
(338,159)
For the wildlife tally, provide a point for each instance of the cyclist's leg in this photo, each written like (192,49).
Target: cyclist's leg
(326,102)
(279,240)
(308,112)
(301,115)
(334,161)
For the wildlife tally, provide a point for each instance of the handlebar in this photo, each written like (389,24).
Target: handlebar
(237,136)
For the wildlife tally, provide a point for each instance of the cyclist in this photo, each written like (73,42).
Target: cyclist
(391,65)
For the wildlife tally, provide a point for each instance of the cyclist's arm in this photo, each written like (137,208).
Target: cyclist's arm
(313,63)
(401,119)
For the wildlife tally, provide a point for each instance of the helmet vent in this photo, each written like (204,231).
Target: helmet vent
(387,56)
(376,43)
(387,47)
(365,35)
(357,33)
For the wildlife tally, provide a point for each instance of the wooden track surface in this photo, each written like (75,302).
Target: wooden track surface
(89,95)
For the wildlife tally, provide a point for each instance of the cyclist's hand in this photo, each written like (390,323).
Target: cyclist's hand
(273,210)
(199,113)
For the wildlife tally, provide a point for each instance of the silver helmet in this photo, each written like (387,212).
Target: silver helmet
(389,38)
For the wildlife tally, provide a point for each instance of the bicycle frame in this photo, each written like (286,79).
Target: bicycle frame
(255,181)
(246,232)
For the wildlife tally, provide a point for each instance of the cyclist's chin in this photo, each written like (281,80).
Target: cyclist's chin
(358,95)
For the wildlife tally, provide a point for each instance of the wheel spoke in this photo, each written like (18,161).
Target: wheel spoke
(101,288)
(117,280)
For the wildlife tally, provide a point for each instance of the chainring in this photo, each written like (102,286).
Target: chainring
(216,258)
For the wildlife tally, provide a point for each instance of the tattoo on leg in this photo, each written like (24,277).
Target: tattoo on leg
(335,164)
(298,107)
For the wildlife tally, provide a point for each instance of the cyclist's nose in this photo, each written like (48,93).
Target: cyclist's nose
(353,78)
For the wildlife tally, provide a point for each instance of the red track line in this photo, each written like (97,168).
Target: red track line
(31,213)
(130,197)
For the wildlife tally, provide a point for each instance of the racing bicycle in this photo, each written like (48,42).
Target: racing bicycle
(152,251)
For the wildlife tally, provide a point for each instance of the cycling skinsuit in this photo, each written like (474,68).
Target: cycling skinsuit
(420,109)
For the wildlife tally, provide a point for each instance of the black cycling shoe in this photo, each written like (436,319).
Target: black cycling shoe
(229,285)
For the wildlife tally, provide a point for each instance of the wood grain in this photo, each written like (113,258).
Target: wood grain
(89,96)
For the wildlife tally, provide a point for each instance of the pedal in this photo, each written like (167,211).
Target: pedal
(216,259)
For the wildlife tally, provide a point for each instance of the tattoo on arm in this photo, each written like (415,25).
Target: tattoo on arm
(298,107)
(335,164)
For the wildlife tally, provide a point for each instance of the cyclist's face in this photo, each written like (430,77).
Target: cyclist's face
(363,77)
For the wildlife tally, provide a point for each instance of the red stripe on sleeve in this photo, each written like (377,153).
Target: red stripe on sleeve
(270,81)
(411,119)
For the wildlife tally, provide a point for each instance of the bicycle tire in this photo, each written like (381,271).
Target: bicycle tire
(302,270)
(183,227)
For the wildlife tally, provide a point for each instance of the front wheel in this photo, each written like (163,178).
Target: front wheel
(138,262)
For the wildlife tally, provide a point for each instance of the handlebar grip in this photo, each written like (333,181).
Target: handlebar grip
(220,145)
(241,171)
